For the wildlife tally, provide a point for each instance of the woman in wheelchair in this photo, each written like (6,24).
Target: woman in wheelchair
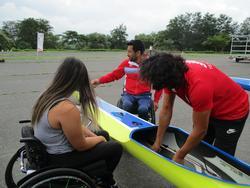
(56,121)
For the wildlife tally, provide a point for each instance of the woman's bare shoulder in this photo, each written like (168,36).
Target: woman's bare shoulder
(65,106)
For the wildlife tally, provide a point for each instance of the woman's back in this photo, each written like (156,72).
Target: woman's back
(53,138)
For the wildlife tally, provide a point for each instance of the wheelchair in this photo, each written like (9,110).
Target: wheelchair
(151,112)
(34,170)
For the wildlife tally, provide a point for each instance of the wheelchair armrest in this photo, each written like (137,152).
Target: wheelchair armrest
(34,141)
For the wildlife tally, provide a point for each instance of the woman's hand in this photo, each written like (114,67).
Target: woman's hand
(103,139)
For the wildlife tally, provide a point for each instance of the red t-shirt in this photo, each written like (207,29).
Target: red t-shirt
(208,88)
(133,84)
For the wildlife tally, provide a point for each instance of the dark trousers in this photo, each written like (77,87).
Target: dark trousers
(110,152)
(225,134)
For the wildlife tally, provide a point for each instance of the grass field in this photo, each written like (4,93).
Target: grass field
(85,55)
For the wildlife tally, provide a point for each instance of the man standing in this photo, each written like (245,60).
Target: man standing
(220,106)
(136,92)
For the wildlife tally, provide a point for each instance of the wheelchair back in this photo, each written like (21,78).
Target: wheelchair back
(35,151)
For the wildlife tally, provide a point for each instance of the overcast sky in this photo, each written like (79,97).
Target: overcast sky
(140,16)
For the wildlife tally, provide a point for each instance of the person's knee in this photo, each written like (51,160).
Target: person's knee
(127,105)
(143,110)
(115,149)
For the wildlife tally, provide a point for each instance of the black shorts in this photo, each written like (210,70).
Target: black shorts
(225,134)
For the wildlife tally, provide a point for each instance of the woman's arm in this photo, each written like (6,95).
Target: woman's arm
(87,132)
(69,118)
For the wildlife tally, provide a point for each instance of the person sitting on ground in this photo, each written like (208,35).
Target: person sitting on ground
(57,123)
(135,90)
(220,106)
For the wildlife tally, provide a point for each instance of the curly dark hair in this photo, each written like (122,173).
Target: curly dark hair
(164,70)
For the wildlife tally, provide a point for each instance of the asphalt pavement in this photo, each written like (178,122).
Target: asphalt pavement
(23,77)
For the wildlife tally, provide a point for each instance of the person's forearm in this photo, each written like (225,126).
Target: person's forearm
(192,141)
(87,132)
(90,142)
(200,120)
(164,121)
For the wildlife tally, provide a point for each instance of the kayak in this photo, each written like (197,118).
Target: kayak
(243,82)
(206,166)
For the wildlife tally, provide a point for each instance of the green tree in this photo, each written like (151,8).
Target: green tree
(217,42)
(52,41)
(226,25)
(162,41)
(96,40)
(27,31)
(10,29)
(245,27)
(179,31)
(70,40)
(5,42)
(82,41)
(119,37)
(191,31)
(148,40)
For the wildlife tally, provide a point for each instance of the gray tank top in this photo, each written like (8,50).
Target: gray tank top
(54,139)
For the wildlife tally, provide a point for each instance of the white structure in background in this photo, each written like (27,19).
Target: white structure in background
(240,48)
(40,40)
(150,50)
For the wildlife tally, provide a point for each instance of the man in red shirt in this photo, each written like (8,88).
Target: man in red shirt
(220,106)
(135,90)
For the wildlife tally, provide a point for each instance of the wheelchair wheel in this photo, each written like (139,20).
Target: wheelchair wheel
(119,103)
(152,113)
(12,172)
(59,177)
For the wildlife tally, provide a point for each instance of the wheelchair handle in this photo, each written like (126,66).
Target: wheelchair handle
(25,121)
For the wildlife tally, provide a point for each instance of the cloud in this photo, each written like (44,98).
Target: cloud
(9,11)
(87,16)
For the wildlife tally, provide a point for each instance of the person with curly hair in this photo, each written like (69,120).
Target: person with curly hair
(220,106)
